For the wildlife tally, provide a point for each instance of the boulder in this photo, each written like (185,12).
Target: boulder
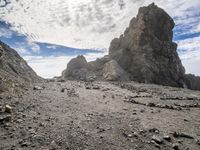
(76,68)
(113,72)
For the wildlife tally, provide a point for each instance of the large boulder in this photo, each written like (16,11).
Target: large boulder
(146,50)
(113,72)
(76,68)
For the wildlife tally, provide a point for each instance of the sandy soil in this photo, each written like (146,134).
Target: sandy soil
(100,115)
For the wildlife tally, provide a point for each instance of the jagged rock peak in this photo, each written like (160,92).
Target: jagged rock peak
(146,50)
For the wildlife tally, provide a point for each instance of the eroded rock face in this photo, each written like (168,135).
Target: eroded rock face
(192,81)
(13,67)
(113,72)
(14,71)
(146,50)
(76,68)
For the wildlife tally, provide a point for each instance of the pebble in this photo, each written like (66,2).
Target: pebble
(5,118)
(19,120)
(185,135)
(175,146)
(62,90)
(95,87)
(167,138)
(197,142)
(134,113)
(154,130)
(37,88)
(151,104)
(53,146)
(157,139)
(8,109)
(142,110)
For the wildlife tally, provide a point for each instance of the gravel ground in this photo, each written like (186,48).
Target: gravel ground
(100,115)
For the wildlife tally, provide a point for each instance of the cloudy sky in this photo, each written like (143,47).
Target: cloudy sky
(49,33)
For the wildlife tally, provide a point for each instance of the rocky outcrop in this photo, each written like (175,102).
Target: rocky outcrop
(14,68)
(145,52)
(76,68)
(113,72)
(192,81)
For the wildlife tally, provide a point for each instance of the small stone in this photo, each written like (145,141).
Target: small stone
(151,104)
(157,139)
(154,130)
(185,135)
(102,115)
(37,88)
(197,142)
(5,118)
(53,145)
(96,87)
(130,135)
(167,138)
(24,144)
(62,90)
(135,134)
(175,146)
(19,120)
(142,110)
(157,132)
(8,109)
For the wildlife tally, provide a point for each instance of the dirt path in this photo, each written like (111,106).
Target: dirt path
(87,116)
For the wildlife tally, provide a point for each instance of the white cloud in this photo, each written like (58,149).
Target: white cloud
(52,47)
(26,47)
(192,66)
(85,23)
(190,54)
(48,67)
(5,33)
(189,48)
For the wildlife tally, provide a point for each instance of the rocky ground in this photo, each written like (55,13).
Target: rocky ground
(100,115)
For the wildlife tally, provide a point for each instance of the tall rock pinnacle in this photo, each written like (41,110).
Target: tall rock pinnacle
(146,50)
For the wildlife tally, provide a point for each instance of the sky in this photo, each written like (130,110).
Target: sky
(47,34)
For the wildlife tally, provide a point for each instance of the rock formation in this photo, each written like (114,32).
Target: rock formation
(192,81)
(146,50)
(113,72)
(13,67)
(76,68)
(145,53)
